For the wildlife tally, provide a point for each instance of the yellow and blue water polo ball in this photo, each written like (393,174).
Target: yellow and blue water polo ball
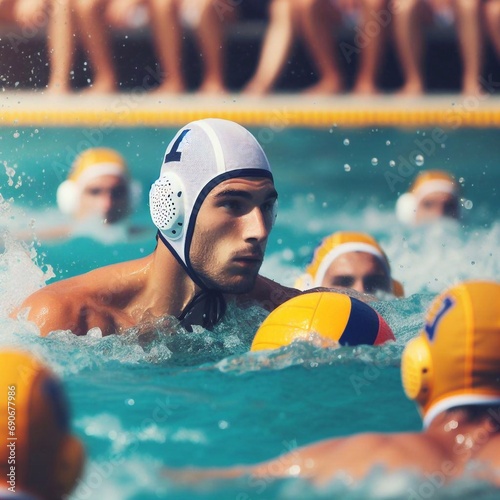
(332,315)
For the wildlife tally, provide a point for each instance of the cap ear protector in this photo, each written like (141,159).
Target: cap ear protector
(68,465)
(68,197)
(167,205)
(406,208)
(416,370)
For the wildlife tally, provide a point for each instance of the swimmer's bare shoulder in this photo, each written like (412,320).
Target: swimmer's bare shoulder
(83,302)
(50,310)
(268,293)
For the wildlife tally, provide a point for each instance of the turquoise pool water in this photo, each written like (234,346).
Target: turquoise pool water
(202,399)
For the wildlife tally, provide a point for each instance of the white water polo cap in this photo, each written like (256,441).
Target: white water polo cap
(202,154)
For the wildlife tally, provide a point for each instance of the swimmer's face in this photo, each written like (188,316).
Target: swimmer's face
(106,197)
(359,271)
(436,205)
(231,233)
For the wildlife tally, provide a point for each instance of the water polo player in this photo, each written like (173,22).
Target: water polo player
(39,458)
(98,196)
(98,185)
(434,194)
(214,206)
(350,260)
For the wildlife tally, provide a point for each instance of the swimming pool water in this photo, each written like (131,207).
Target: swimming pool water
(201,398)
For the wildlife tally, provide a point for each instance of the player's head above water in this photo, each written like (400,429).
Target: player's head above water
(434,194)
(348,259)
(98,185)
(455,360)
(214,203)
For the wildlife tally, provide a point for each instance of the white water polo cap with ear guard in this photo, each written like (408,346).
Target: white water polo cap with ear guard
(202,154)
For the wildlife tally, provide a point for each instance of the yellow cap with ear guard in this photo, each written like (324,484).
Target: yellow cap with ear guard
(455,360)
(48,460)
(427,182)
(416,368)
(88,165)
(334,246)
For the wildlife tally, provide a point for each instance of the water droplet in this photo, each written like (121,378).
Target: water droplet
(387,143)
(473,262)
(347,167)
(392,163)
(419,160)
(130,402)
(346,142)
(374,162)
(468,204)
(16,135)
(223,424)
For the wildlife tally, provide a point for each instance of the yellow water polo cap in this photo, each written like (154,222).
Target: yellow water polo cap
(334,246)
(88,165)
(426,182)
(334,316)
(38,455)
(455,360)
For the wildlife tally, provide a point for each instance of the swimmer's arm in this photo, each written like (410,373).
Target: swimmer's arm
(50,233)
(350,457)
(49,311)
(295,463)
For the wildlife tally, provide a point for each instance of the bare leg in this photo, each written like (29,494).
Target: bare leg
(492,18)
(316,23)
(374,27)
(468,20)
(210,34)
(95,39)
(275,48)
(61,45)
(8,11)
(166,28)
(409,43)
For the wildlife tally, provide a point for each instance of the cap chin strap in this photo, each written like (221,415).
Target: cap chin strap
(215,303)
(212,311)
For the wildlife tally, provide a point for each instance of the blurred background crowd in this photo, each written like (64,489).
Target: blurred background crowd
(251,46)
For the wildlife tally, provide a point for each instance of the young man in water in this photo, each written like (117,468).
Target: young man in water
(352,260)
(452,370)
(433,195)
(214,206)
